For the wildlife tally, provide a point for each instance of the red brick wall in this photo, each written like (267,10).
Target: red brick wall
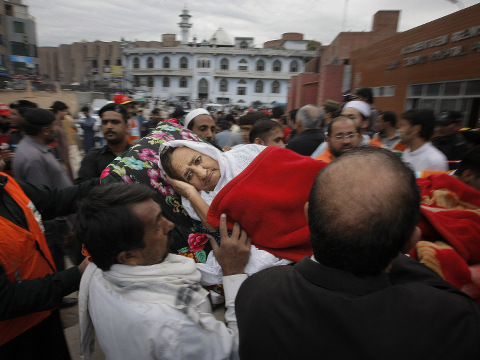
(330,86)
(370,63)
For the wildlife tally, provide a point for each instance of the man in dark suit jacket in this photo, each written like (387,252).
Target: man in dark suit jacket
(358,297)
(309,133)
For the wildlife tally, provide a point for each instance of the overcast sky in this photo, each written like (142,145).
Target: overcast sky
(68,21)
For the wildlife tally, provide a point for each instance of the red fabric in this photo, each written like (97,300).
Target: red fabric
(267,199)
(451,214)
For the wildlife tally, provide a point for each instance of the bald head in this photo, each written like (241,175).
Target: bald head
(363,209)
(311,117)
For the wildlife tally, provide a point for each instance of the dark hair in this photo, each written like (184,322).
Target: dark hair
(224,125)
(470,161)
(58,106)
(277,111)
(155,111)
(166,161)
(178,112)
(36,119)
(359,225)
(339,118)
(423,117)
(106,223)
(229,118)
(23,104)
(85,109)
(293,115)
(114,107)
(366,93)
(262,128)
(251,118)
(390,117)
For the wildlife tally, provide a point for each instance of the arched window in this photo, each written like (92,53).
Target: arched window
(243,65)
(224,64)
(150,81)
(259,86)
(166,62)
(260,65)
(275,87)
(183,82)
(136,63)
(223,85)
(150,63)
(242,88)
(183,63)
(294,66)
(166,82)
(277,66)
(243,45)
(136,81)
(203,87)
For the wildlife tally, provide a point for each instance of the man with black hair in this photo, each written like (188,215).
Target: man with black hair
(115,128)
(449,141)
(366,94)
(222,137)
(342,136)
(416,129)
(87,123)
(135,284)
(18,109)
(267,132)
(469,168)
(358,295)
(387,135)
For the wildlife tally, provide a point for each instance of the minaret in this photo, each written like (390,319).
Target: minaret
(185,25)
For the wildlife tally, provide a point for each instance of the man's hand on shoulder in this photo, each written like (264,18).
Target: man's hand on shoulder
(234,251)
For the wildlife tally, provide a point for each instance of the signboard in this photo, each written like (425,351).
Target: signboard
(113,72)
(22,59)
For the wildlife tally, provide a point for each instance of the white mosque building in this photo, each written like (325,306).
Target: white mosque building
(219,70)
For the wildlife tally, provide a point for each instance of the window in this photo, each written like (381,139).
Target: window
(166,62)
(106,62)
(259,86)
(260,65)
(19,27)
(136,63)
(119,62)
(243,45)
(19,48)
(203,87)
(242,65)
(389,90)
(150,63)
(275,87)
(203,63)
(183,82)
(136,80)
(150,82)
(242,89)
(277,66)
(224,64)
(223,85)
(183,63)
(294,66)
(166,82)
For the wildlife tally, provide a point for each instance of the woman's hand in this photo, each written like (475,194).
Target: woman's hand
(181,187)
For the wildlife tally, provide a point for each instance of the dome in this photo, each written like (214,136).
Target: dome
(220,38)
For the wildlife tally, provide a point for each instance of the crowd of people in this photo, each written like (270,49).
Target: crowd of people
(318,213)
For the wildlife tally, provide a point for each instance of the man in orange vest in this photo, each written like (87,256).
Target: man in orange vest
(30,288)
(342,136)
(388,136)
(124,100)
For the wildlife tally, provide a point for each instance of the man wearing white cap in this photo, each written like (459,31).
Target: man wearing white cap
(201,123)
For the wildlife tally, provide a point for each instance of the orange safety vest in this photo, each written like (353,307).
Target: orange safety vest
(134,128)
(376,141)
(24,255)
(325,156)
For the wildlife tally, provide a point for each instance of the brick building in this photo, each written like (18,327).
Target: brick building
(329,75)
(435,66)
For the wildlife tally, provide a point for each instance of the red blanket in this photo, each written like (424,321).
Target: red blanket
(450,227)
(268,199)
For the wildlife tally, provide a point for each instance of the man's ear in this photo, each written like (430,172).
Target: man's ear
(127,258)
(410,243)
(258,141)
(305,209)
(327,139)
(416,129)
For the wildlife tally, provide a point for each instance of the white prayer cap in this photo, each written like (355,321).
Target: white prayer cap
(193,114)
(361,106)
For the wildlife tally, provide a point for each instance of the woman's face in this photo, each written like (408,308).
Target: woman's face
(196,168)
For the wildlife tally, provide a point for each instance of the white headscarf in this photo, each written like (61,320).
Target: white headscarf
(231,163)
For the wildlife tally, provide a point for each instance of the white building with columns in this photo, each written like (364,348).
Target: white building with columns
(217,70)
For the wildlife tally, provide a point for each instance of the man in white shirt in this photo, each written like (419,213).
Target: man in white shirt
(416,129)
(142,301)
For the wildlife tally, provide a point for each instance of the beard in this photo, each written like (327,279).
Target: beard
(340,151)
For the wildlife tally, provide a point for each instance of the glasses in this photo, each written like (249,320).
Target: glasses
(340,137)
(114,122)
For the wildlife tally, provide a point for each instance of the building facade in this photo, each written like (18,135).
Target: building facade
(433,66)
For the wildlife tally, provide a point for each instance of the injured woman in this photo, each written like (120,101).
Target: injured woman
(264,189)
